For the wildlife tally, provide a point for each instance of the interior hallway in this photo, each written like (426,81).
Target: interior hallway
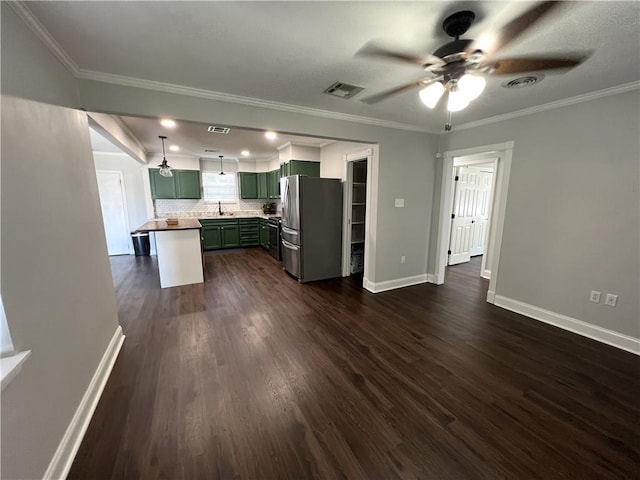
(252,375)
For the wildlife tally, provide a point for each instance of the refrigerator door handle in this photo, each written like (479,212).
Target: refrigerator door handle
(289,231)
(290,246)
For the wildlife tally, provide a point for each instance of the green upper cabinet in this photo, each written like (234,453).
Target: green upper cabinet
(273,184)
(182,184)
(284,170)
(161,187)
(263,192)
(248,185)
(187,183)
(299,167)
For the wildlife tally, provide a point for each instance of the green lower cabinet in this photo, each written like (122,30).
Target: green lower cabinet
(264,234)
(262,185)
(211,238)
(248,185)
(230,235)
(249,232)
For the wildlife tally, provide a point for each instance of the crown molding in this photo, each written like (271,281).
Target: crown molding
(586,97)
(283,146)
(27,16)
(229,98)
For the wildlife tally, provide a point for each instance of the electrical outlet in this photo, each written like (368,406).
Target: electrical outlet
(403,259)
(399,203)
(611,300)
(594,297)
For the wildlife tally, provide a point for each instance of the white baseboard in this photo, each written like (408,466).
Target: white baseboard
(393,284)
(615,339)
(434,278)
(486,274)
(491,296)
(65,453)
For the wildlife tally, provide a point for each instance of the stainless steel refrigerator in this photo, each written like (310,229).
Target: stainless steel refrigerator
(311,227)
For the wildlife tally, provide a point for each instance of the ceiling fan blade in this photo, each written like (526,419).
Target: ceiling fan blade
(394,91)
(516,27)
(373,50)
(506,66)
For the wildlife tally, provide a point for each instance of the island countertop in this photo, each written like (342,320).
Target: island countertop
(161,225)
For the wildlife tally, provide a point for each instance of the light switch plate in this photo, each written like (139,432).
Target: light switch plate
(611,300)
(399,202)
(595,296)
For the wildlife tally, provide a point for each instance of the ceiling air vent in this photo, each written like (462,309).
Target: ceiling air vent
(213,129)
(527,81)
(211,150)
(343,90)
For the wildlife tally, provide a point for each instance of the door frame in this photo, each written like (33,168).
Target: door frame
(481,159)
(371,157)
(502,171)
(124,203)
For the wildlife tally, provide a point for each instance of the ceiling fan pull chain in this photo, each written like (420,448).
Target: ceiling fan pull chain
(447,126)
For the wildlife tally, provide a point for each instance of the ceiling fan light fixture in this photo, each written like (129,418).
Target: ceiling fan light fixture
(431,94)
(471,86)
(457,100)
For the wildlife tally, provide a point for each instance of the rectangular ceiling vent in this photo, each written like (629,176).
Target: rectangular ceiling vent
(343,90)
(211,150)
(213,129)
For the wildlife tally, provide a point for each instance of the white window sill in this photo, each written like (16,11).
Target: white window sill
(10,366)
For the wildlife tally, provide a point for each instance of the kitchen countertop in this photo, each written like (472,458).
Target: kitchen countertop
(226,217)
(161,225)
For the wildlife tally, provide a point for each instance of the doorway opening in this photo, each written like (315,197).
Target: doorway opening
(357,218)
(114,212)
(472,209)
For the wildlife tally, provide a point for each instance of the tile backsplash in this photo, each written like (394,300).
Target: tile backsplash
(199,209)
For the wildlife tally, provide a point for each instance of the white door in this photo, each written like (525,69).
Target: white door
(465,192)
(113,212)
(481,212)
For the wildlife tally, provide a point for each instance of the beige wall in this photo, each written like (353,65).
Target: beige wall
(571,222)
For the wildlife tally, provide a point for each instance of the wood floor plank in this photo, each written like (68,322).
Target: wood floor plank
(252,375)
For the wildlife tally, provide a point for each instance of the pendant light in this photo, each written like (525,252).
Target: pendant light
(165,169)
(221,169)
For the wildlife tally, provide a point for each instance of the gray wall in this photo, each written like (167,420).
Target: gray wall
(571,222)
(55,277)
(332,158)
(56,280)
(132,173)
(406,168)
(28,68)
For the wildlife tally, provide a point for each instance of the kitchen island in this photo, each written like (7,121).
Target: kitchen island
(179,251)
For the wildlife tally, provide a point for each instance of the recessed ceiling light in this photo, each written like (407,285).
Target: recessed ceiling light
(167,122)
(245,153)
(174,148)
(271,135)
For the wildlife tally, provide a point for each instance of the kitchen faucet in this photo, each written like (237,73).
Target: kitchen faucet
(219,208)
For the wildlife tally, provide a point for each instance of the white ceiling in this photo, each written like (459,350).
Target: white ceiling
(193,138)
(289,52)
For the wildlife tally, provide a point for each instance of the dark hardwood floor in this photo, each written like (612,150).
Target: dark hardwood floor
(252,375)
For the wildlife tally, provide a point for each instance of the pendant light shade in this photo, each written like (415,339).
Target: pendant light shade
(431,94)
(457,100)
(221,169)
(165,169)
(471,86)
